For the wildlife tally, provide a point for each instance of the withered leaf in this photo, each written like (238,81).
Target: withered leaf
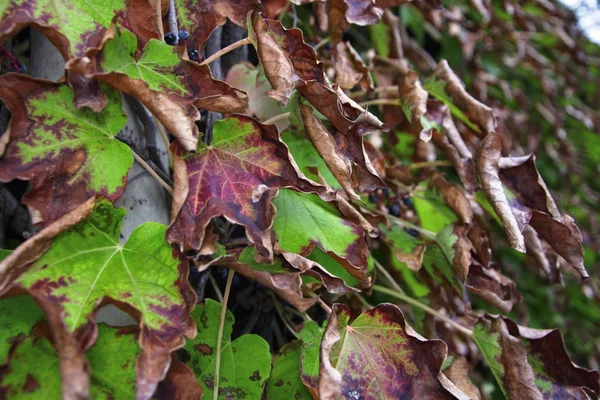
(286,59)
(350,70)
(374,356)
(531,363)
(342,13)
(65,155)
(283,276)
(476,111)
(170,87)
(237,176)
(201,17)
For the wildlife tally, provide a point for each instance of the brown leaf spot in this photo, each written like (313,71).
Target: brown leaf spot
(204,348)
(255,376)
(31,385)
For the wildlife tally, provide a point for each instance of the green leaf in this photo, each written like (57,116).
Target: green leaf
(438,90)
(285,382)
(432,211)
(81,22)
(87,263)
(304,220)
(380,38)
(65,152)
(112,364)
(310,334)
(307,156)
(18,314)
(245,362)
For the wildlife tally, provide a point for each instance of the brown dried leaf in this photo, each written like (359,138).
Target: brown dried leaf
(350,70)
(180,383)
(342,13)
(458,373)
(344,113)
(476,111)
(486,161)
(201,17)
(532,363)
(340,167)
(492,286)
(454,197)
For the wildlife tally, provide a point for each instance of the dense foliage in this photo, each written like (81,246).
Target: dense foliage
(399,201)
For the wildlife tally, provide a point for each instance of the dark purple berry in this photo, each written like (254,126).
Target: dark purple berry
(386,192)
(395,210)
(408,201)
(183,34)
(171,38)
(193,54)
(373,198)
(412,232)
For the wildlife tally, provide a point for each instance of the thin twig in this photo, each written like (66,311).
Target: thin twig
(284,11)
(387,275)
(226,50)
(423,307)
(380,102)
(282,316)
(405,224)
(220,333)
(322,43)
(276,118)
(426,164)
(215,286)
(149,169)
(312,294)
(173,17)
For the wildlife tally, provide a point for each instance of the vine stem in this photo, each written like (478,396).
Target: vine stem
(423,307)
(226,50)
(312,294)
(405,224)
(425,164)
(220,333)
(149,169)
(276,118)
(388,276)
(380,102)
(322,43)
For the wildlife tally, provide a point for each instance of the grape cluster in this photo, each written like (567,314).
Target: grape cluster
(176,38)
(398,205)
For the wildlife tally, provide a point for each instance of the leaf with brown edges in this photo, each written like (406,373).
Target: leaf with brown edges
(237,176)
(86,267)
(68,155)
(532,363)
(201,17)
(375,356)
(171,88)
